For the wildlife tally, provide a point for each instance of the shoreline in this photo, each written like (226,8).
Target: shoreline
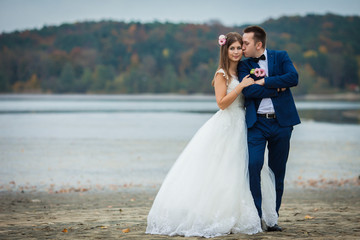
(299,184)
(329,97)
(347,96)
(316,214)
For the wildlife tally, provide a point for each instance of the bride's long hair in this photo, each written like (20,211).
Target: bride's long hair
(224,61)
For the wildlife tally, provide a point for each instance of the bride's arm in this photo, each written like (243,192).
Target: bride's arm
(224,100)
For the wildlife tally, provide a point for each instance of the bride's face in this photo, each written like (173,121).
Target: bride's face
(235,52)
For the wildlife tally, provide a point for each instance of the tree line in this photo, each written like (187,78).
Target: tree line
(119,57)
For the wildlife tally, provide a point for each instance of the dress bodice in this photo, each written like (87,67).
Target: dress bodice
(239,101)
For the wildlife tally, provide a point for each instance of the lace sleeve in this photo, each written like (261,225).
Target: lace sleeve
(223,72)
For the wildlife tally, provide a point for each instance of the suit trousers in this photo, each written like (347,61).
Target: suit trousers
(268,131)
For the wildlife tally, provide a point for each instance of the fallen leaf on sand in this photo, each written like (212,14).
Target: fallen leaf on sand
(126,230)
(308,217)
(65,230)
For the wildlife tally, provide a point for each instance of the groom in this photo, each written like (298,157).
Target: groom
(270,111)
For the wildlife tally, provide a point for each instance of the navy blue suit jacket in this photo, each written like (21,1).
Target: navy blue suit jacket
(282,74)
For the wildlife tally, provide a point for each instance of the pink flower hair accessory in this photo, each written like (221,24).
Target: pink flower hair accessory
(222,40)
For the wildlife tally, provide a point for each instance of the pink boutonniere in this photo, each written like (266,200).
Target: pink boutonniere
(258,72)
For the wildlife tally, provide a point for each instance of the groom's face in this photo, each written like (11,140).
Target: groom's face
(249,46)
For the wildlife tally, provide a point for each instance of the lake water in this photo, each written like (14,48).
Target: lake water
(56,142)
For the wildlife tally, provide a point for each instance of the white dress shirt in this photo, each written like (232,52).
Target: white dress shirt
(266,105)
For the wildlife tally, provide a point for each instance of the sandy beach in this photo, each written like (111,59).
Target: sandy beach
(332,213)
(89,167)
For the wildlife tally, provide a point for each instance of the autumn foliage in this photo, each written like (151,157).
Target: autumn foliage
(118,57)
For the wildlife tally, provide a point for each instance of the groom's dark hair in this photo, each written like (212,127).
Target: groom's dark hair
(259,34)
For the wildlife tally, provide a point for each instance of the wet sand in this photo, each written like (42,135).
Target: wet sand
(332,213)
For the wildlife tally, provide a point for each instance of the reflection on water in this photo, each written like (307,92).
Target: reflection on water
(99,141)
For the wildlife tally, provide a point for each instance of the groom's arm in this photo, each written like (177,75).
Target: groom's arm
(290,78)
(255,90)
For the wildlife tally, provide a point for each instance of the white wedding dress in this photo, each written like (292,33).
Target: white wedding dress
(206,193)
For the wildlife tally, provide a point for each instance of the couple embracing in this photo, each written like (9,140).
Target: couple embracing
(221,183)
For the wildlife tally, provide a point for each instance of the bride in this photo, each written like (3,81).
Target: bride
(206,193)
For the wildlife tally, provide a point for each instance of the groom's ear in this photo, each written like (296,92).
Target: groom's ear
(258,45)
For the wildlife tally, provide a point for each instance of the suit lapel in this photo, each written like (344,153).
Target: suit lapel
(253,64)
(271,62)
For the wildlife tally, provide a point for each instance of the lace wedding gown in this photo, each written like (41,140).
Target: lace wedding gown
(206,193)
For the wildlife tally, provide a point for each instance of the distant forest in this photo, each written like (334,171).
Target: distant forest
(119,57)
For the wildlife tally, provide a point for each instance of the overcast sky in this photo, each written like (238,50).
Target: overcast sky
(29,14)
